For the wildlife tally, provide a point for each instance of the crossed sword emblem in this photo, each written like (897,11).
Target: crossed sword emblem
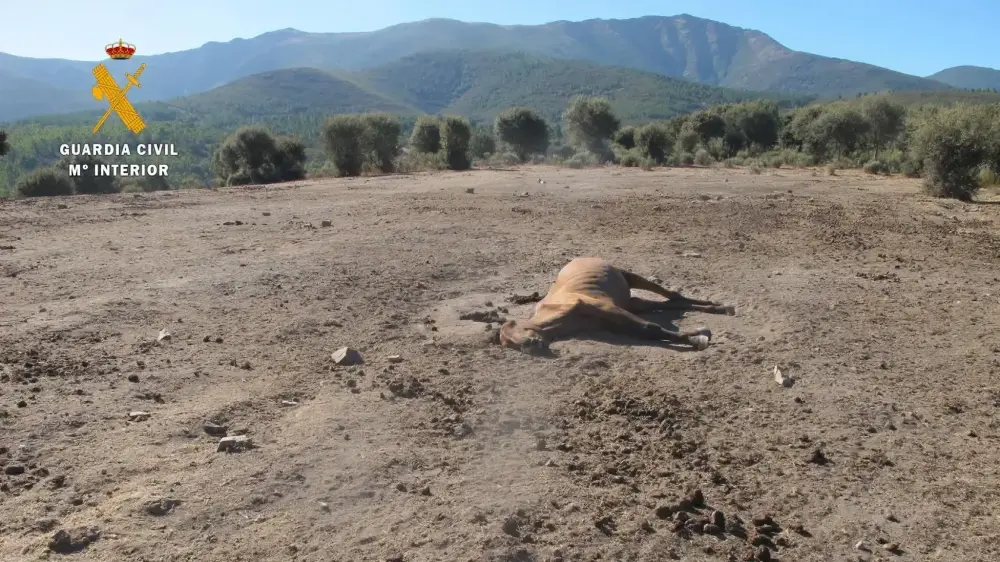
(107,88)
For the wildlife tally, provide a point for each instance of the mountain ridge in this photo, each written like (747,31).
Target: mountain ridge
(969,77)
(682,46)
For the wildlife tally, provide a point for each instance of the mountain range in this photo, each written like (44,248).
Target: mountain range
(683,47)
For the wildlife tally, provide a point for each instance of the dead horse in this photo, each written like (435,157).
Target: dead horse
(591,294)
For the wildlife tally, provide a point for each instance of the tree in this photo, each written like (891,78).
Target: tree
(383,134)
(482,143)
(252,155)
(45,182)
(455,135)
(653,141)
(426,135)
(886,120)
(707,124)
(87,183)
(757,121)
(590,123)
(4,145)
(844,127)
(954,144)
(346,142)
(524,130)
(625,137)
(290,159)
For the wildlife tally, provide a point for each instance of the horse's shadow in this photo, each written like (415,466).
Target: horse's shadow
(668,319)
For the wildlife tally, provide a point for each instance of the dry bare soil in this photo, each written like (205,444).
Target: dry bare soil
(880,303)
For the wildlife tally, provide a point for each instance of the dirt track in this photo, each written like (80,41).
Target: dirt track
(881,303)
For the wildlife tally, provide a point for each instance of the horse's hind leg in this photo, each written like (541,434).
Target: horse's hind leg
(638,305)
(617,319)
(639,282)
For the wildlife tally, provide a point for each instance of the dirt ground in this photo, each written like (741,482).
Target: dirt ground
(880,303)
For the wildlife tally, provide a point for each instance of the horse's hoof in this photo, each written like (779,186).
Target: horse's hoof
(703,332)
(700,342)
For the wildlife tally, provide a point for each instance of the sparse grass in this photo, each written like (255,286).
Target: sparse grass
(988,178)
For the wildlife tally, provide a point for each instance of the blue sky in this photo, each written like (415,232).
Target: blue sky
(917,36)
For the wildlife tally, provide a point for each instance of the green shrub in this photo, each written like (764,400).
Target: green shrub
(346,141)
(954,145)
(876,167)
(383,138)
(523,130)
(988,177)
(653,142)
(426,135)
(702,157)
(625,137)
(455,136)
(45,182)
(583,159)
(252,155)
(153,183)
(87,183)
(590,123)
(504,159)
(414,161)
(630,158)
(482,143)
(754,167)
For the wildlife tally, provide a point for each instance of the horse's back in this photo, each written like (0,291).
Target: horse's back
(592,277)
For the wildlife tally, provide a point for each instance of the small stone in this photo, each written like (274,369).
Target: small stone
(425,491)
(73,540)
(234,444)
(133,378)
(401,487)
(664,512)
(818,457)
(62,206)
(691,255)
(214,429)
(164,335)
(394,359)
(13,470)
(160,507)
(782,379)
(326,224)
(138,416)
(860,545)
(891,547)
(289,403)
(762,555)
(470,190)
(22,404)
(347,356)
(266,214)
(711,529)
(719,518)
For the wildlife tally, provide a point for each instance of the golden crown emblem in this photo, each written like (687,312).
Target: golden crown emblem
(120,50)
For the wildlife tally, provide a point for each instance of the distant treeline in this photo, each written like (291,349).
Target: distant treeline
(956,149)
